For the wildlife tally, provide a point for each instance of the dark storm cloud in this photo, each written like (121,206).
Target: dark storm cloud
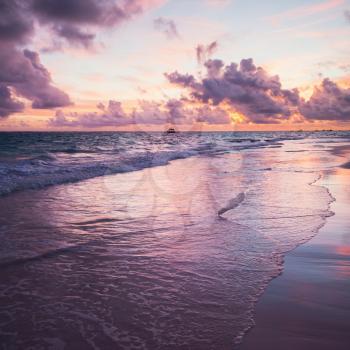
(328,102)
(250,90)
(166,26)
(204,52)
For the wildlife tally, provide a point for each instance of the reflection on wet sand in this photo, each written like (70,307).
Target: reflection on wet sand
(307,307)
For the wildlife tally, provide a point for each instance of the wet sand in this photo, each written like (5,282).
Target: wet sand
(308,306)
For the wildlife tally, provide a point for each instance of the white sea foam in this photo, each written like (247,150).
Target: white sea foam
(76,157)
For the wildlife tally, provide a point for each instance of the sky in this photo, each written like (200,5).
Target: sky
(191,64)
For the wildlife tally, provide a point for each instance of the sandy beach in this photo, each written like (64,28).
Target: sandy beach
(308,306)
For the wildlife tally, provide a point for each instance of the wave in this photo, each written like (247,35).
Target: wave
(82,159)
(38,174)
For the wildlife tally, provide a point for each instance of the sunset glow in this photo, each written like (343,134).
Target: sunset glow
(174,174)
(198,65)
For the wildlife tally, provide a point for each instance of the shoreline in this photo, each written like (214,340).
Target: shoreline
(114,227)
(307,306)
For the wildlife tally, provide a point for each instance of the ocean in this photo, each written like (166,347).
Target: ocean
(149,240)
(34,160)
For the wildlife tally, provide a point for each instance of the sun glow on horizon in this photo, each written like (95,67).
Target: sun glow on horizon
(164,63)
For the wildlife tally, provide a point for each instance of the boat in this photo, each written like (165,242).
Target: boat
(171,131)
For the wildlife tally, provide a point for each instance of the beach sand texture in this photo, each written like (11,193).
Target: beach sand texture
(308,306)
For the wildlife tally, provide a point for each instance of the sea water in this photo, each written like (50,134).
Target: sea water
(150,241)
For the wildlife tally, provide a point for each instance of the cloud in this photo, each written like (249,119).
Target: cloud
(74,35)
(73,22)
(173,111)
(212,115)
(243,88)
(185,80)
(167,27)
(204,52)
(76,21)
(328,102)
(180,113)
(110,115)
(15,24)
(84,16)
(248,89)
(24,73)
(77,11)
(8,104)
(259,96)
(214,68)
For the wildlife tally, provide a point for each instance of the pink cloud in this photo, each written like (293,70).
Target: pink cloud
(173,111)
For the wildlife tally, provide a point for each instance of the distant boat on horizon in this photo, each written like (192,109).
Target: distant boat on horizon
(171,131)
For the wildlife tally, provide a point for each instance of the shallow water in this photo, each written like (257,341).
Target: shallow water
(141,260)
